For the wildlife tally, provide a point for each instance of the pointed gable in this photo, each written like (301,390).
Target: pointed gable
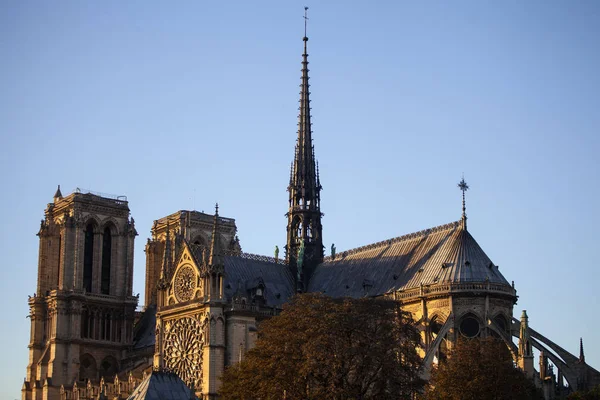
(186,283)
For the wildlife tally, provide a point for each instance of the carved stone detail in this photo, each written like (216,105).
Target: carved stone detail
(183,350)
(185,283)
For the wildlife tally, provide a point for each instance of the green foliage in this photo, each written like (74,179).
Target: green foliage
(593,394)
(480,369)
(323,348)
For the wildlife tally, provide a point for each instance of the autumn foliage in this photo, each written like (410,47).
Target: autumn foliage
(480,369)
(323,348)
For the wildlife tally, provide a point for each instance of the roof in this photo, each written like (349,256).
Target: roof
(244,272)
(446,253)
(162,385)
(144,335)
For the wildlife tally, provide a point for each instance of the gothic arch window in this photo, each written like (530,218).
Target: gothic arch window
(88,256)
(500,320)
(87,368)
(106,261)
(296,228)
(435,326)
(108,367)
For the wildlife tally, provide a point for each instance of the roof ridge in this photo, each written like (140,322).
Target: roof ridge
(255,257)
(397,239)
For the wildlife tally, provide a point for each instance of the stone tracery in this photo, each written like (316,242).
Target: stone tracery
(185,283)
(184,342)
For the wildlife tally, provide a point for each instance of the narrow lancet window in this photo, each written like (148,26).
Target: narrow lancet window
(88,257)
(59,260)
(106,258)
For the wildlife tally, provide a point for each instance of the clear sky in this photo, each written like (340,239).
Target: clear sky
(179,105)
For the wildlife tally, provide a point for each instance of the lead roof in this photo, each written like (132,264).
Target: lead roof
(444,254)
(244,273)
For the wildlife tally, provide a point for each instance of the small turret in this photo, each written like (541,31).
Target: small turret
(525,352)
(215,265)
(58,195)
(167,262)
(215,260)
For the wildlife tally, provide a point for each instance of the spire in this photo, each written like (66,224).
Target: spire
(304,170)
(581,355)
(304,227)
(215,250)
(58,195)
(462,185)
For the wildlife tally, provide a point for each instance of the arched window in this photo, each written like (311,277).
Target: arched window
(108,367)
(88,368)
(501,322)
(88,257)
(106,259)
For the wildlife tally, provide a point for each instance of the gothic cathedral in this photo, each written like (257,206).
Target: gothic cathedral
(204,296)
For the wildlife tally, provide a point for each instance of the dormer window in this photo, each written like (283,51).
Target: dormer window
(259,291)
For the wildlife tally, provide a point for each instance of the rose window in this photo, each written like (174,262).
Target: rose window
(183,350)
(185,283)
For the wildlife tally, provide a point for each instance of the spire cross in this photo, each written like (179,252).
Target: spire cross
(305,19)
(462,185)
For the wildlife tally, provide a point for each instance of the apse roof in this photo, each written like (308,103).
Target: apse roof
(446,253)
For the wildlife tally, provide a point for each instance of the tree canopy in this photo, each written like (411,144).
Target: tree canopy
(480,369)
(323,348)
(593,394)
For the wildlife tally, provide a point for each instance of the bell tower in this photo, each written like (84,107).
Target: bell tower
(83,310)
(304,248)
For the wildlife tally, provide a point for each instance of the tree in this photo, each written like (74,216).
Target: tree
(593,394)
(323,348)
(480,369)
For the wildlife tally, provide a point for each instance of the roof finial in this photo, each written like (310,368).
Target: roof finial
(58,195)
(215,250)
(581,355)
(462,185)
(305,21)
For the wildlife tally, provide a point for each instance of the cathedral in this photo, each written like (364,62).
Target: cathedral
(204,296)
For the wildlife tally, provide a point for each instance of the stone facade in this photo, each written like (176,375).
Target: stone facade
(82,313)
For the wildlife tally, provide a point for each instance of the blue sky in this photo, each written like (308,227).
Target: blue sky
(180,105)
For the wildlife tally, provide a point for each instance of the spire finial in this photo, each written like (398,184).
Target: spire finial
(581,355)
(462,185)
(215,250)
(58,195)
(305,22)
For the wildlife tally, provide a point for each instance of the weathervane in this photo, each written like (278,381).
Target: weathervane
(305,19)
(462,185)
